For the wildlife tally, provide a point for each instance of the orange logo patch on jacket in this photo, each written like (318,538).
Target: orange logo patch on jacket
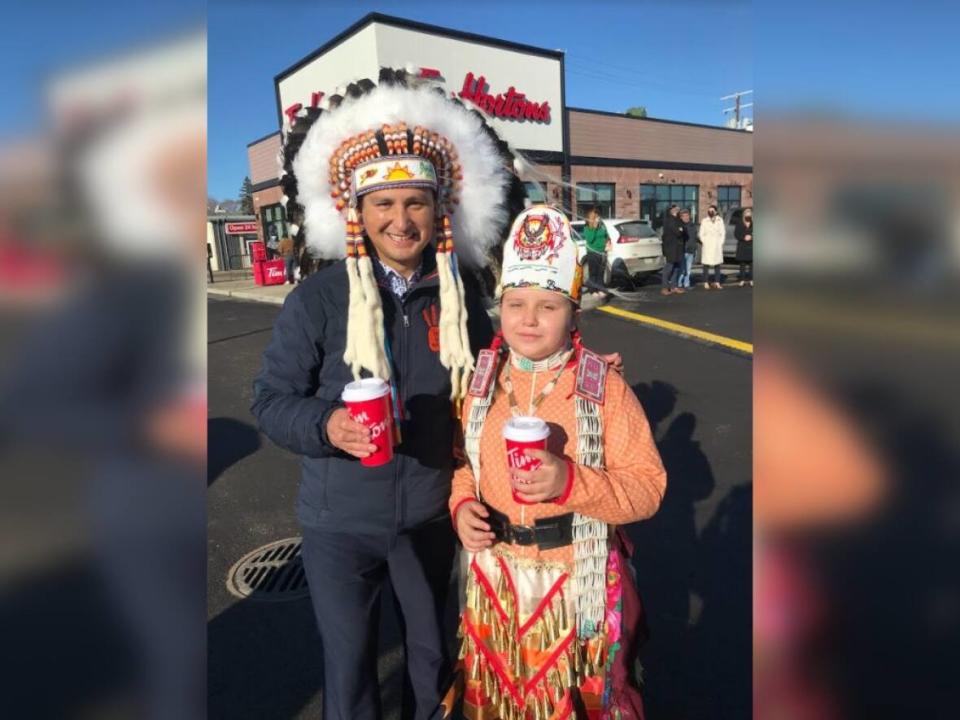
(432,317)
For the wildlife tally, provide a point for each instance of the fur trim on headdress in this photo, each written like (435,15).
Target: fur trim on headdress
(481,212)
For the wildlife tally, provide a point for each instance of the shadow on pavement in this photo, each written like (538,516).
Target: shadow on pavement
(265,661)
(61,626)
(696,586)
(228,442)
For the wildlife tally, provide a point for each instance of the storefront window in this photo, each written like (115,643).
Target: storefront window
(536,192)
(600,195)
(728,198)
(274,220)
(655,199)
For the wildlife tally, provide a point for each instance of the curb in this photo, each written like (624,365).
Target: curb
(246,295)
(591,302)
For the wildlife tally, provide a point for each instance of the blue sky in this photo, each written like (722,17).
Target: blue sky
(664,55)
(677,57)
(41,38)
(882,61)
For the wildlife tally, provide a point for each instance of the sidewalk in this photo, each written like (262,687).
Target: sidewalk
(276,294)
(247,290)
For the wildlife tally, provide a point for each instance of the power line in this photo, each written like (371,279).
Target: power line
(645,84)
(737,106)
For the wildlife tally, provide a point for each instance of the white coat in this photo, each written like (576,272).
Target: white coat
(712,234)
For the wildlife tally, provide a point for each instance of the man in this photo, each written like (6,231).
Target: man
(289,258)
(673,246)
(381,310)
(712,234)
(690,248)
(273,244)
(598,243)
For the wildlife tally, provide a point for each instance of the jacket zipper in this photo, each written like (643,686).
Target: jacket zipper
(401,399)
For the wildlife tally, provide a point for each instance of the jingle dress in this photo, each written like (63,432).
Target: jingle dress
(541,629)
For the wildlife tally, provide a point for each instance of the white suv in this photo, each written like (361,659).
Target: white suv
(635,249)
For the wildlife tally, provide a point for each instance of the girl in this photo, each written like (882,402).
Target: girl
(551,615)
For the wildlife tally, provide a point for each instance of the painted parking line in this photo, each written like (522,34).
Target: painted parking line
(679,329)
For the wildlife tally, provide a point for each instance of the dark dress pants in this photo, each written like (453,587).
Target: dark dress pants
(346,573)
(596,266)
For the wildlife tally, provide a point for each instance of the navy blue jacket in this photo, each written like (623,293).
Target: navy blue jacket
(300,384)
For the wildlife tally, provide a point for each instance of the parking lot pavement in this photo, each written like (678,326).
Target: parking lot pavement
(727,312)
(692,558)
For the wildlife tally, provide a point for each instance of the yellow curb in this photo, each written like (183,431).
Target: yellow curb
(709,337)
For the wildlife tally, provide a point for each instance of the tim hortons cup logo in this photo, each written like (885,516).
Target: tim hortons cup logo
(376,430)
(518,460)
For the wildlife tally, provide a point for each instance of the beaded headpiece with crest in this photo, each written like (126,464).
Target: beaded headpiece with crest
(394,135)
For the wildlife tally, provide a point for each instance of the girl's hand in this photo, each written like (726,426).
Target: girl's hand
(473,530)
(545,483)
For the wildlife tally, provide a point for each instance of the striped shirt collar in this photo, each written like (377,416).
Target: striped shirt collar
(396,282)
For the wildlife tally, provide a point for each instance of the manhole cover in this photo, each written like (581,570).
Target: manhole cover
(273,572)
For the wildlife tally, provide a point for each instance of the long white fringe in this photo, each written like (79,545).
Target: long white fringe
(590,546)
(370,334)
(354,311)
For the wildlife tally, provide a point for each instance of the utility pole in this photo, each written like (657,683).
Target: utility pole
(737,105)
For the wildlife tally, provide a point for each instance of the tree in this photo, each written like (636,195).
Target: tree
(246,196)
(638,111)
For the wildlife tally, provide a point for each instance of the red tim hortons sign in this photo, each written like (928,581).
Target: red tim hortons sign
(511,105)
(241,228)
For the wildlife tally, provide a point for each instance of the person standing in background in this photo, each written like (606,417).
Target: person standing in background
(289,257)
(673,242)
(690,249)
(744,235)
(598,243)
(712,234)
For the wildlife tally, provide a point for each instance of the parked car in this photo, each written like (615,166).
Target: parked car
(635,248)
(732,217)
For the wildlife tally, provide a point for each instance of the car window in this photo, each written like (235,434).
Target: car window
(636,229)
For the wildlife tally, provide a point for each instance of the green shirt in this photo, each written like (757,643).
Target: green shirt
(596,238)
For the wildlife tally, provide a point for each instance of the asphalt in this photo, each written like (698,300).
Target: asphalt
(693,559)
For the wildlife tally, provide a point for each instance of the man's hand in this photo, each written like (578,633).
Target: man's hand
(349,435)
(474,532)
(545,483)
(614,360)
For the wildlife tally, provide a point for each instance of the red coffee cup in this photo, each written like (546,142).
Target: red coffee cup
(368,402)
(521,434)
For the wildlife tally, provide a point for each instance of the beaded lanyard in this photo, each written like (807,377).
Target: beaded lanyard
(547,389)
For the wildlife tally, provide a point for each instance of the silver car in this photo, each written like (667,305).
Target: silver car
(635,249)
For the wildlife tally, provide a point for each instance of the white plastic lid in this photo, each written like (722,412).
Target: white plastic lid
(365,389)
(525,429)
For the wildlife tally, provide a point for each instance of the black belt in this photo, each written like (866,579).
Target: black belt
(546,533)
